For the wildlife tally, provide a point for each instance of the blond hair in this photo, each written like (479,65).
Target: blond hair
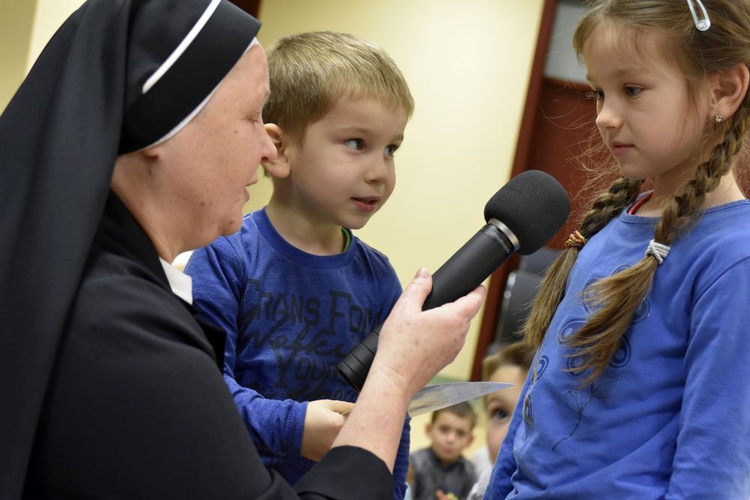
(310,71)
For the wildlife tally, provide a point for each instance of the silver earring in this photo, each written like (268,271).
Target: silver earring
(718,118)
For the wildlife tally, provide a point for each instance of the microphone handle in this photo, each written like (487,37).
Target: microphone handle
(463,272)
(471,264)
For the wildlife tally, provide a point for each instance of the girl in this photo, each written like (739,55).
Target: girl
(639,388)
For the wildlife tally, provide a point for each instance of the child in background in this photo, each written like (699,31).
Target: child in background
(440,470)
(295,290)
(510,364)
(639,386)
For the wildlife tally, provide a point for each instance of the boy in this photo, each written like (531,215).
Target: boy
(441,471)
(295,289)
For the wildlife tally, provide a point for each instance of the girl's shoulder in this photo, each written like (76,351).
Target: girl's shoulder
(724,223)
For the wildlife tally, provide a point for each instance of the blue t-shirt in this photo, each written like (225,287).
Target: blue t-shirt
(670,416)
(290,317)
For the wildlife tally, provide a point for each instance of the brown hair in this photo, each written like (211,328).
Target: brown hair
(462,410)
(310,71)
(514,354)
(697,54)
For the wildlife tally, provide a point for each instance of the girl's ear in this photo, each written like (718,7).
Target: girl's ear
(728,88)
(277,168)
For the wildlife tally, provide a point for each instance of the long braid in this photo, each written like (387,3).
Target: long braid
(605,207)
(682,208)
(617,298)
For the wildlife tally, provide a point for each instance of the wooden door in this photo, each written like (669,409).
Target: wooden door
(250,6)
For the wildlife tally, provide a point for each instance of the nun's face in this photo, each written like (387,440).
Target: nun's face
(215,157)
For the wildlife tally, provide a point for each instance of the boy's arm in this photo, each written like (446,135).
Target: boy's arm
(275,426)
(401,467)
(218,281)
(392,291)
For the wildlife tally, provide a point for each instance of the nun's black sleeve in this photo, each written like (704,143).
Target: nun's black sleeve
(137,407)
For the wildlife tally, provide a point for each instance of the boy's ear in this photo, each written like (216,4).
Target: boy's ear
(428,429)
(728,88)
(279,166)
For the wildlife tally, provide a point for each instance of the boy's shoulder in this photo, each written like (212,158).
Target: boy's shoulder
(375,260)
(426,458)
(421,458)
(366,247)
(253,223)
(234,244)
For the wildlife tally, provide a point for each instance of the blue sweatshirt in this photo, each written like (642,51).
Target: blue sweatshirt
(290,317)
(670,416)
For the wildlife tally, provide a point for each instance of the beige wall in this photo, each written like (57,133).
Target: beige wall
(25,28)
(16,22)
(468,65)
(50,14)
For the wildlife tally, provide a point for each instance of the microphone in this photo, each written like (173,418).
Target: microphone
(521,217)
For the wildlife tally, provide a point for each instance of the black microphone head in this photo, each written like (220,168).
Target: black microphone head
(533,205)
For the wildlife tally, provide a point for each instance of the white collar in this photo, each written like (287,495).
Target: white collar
(181,283)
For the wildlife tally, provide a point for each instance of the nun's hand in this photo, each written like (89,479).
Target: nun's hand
(414,344)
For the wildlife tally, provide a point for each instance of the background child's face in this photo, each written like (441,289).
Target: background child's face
(344,170)
(450,435)
(501,404)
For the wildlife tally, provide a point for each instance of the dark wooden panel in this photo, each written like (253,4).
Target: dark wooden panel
(563,132)
(250,6)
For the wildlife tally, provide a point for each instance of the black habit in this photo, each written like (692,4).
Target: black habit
(109,387)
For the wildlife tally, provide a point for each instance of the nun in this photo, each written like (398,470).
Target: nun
(133,139)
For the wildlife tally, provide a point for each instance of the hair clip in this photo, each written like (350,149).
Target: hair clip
(700,24)
(576,239)
(658,250)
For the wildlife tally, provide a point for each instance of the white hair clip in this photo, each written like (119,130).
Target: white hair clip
(658,250)
(701,24)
